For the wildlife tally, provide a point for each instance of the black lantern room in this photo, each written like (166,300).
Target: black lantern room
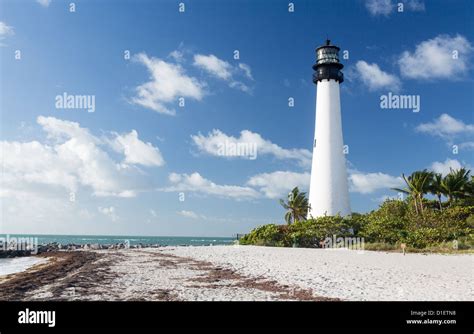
(327,64)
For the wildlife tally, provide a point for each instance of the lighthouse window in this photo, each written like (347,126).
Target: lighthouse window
(327,56)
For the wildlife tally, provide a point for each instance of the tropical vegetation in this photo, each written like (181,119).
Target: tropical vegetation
(296,206)
(432,212)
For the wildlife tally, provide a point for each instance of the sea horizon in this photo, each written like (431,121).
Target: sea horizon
(81,239)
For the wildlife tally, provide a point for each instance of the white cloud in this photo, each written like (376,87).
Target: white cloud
(445,167)
(44,3)
(137,151)
(214,66)
(72,159)
(434,59)
(153,213)
(32,163)
(379,7)
(26,213)
(223,70)
(177,55)
(277,184)
(188,214)
(109,212)
(446,127)
(415,5)
(247,70)
(215,140)
(167,83)
(450,129)
(386,7)
(60,130)
(196,183)
(366,183)
(469,145)
(240,86)
(374,78)
(5,30)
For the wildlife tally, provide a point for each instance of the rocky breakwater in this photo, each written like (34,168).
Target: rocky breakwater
(10,251)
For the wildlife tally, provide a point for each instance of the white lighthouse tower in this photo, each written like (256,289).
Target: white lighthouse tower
(328,192)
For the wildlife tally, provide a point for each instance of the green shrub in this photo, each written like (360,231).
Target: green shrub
(308,233)
(266,235)
(470,222)
(459,212)
(331,225)
(436,226)
(387,224)
(422,237)
(312,232)
(357,222)
(303,234)
(466,242)
(393,223)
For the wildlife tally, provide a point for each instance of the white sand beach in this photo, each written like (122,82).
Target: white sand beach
(244,273)
(347,274)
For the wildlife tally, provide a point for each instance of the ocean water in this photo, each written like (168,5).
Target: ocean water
(18,264)
(133,240)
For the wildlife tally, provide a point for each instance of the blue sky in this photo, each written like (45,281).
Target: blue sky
(128,164)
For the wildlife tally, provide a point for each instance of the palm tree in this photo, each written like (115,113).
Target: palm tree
(454,184)
(417,186)
(436,189)
(297,206)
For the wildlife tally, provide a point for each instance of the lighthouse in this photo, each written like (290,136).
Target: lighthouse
(328,192)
